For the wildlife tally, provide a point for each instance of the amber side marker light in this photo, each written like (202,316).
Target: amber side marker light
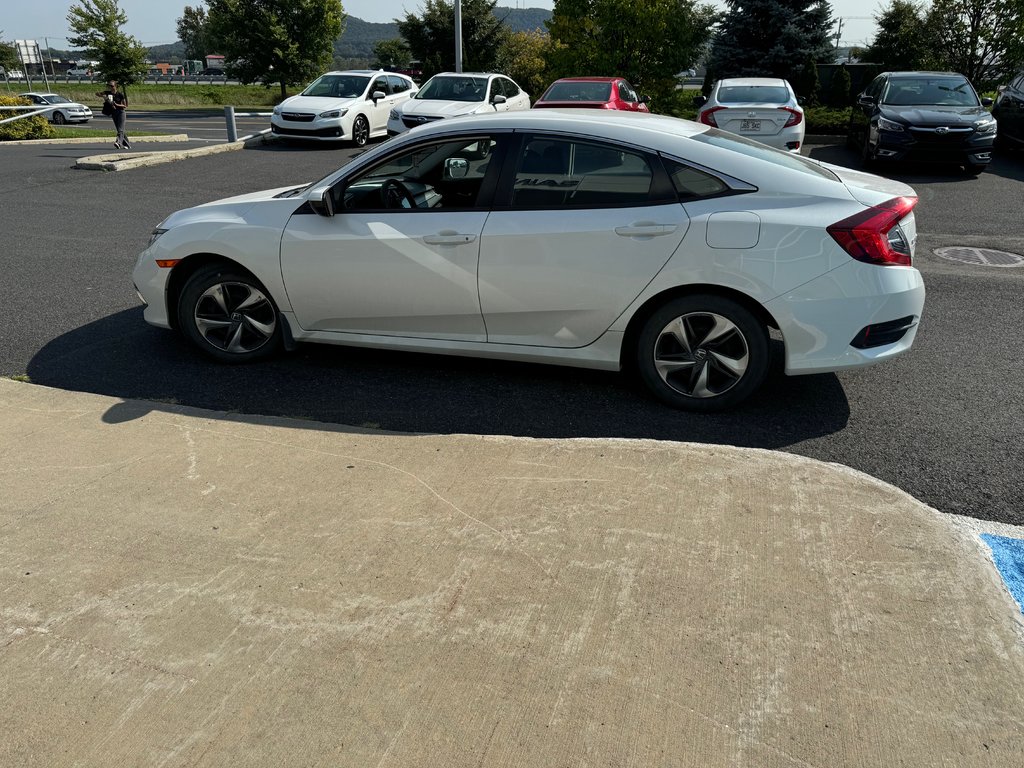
(167,263)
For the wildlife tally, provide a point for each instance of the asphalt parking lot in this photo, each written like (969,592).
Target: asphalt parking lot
(942,423)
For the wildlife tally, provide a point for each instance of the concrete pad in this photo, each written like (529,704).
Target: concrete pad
(175,137)
(125,161)
(188,588)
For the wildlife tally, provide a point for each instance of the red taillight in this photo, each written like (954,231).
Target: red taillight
(794,117)
(866,235)
(708,118)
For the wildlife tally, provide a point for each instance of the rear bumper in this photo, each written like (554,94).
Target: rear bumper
(823,321)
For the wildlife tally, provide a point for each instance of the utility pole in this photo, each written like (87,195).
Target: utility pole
(839,32)
(458,36)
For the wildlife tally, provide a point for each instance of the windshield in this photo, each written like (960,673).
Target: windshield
(454,89)
(760,94)
(578,92)
(929,91)
(57,100)
(337,86)
(756,149)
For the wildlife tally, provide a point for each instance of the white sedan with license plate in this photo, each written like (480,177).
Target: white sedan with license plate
(762,108)
(595,240)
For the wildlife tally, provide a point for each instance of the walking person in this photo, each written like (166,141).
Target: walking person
(115,104)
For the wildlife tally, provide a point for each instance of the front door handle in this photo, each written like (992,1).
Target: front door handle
(645,229)
(448,237)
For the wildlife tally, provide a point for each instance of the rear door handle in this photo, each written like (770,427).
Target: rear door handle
(645,230)
(449,238)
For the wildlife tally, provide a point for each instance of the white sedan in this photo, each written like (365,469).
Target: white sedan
(64,110)
(761,108)
(452,94)
(572,237)
(342,106)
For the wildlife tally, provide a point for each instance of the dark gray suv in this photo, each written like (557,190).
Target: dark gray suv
(931,117)
(1009,113)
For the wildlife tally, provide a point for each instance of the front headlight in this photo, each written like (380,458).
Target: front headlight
(985,126)
(393,114)
(334,113)
(156,233)
(277,111)
(889,125)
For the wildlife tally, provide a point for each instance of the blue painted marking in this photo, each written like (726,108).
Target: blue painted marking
(1008,555)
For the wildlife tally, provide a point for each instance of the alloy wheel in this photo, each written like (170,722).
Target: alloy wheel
(360,131)
(235,317)
(701,354)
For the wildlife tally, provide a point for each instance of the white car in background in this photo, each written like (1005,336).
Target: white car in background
(452,94)
(586,238)
(343,106)
(64,110)
(761,108)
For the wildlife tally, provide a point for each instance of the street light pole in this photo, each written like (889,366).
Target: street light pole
(458,35)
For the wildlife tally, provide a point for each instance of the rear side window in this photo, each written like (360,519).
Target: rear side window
(760,94)
(557,173)
(693,184)
(511,89)
(398,84)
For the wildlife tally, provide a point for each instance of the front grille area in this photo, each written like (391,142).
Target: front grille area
(324,133)
(297,117)
(928,136)
(412,122)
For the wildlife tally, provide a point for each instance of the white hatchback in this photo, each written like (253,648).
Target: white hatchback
(761,108)
(452,94)
(587,238)
(343,106)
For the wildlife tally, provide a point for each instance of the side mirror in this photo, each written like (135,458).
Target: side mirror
(866,101)
(498,99)
(456,168)
(700,101)
(645,99)
(377,96)
(321,201)
(987,102)
(1000,89)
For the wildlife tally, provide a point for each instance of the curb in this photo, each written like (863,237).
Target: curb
(125,162)
(824,138)
(175,137)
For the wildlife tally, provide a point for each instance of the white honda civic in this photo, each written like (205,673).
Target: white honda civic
(609,241)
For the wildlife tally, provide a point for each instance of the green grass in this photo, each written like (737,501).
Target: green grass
(163,96)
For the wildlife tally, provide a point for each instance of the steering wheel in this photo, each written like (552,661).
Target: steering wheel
(397,195)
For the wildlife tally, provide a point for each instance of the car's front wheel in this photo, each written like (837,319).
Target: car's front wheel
(225,312)
(360,131)
(59,119)
(973,169)
(702,353)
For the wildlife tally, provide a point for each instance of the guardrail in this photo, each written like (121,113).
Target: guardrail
(36,111)
(232,128)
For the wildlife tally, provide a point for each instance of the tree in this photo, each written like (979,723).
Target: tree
(96,27)
(275,41)
(839,88)
(902,39)
(981,39)
(805,81)
(771,38)
(645,41)
(194,32)
(431,36)
(391,53)
(521,57)
(8,56)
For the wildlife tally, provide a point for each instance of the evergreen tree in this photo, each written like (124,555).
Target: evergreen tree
(771,38)
(839,88)
(431,36)
(902,40)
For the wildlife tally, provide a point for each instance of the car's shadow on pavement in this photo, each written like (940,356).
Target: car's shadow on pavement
(122,357)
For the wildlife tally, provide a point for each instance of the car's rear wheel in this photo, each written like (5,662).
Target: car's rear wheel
(225,312)
(59,119)
(360,131)
(702,353)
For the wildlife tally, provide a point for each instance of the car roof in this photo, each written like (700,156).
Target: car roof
(926,73)
(587,79)
(359,72)
(468,74)
(730,81)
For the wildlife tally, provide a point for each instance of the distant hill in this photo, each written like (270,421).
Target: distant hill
(359,37)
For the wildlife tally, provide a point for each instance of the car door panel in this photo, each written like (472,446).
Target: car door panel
(400,273)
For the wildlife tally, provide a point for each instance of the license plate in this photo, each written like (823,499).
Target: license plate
(750,125)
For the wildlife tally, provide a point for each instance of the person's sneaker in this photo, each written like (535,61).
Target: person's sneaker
(127,145)
(117,144)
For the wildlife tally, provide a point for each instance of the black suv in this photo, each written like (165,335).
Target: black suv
(1009,113)
(923,117)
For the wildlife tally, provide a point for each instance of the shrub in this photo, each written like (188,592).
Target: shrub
(826,120)
(27,128)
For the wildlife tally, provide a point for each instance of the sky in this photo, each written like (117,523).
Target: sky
(153,21)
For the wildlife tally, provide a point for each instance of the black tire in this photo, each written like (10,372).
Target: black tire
(973,169)
(868,158)
(225,312)
(684,367)
(59,119)
(360,131)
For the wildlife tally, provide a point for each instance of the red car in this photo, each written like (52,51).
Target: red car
(593,93)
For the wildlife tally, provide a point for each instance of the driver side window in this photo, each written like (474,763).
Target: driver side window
(442,176)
